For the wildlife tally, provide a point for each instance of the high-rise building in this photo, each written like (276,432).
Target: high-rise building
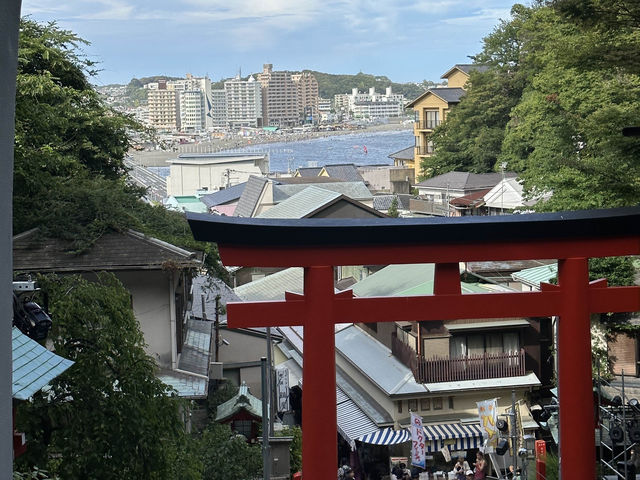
(163,107)
(191,106)
(307,96)
(203,86)
(219,111)
(280,107)
(243,103)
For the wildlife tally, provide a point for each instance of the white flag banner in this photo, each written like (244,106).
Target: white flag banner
(282,387)
(488,414)
(418,447)
(446,453)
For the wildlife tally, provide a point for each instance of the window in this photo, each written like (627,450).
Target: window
(413,405)
(400,406)
(429,147)
(243,427)
(474,344)
(451,403)
(437,403)
(432,118)
(425,404)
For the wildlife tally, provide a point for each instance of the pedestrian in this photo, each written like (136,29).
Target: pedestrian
(481,467)
(460,468)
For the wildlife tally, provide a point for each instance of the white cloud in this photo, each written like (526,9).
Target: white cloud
(482,16)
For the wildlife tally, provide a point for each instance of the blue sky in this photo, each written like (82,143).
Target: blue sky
(406,40)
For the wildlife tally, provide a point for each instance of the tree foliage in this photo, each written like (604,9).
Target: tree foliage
(108,416)
(226,456)
(393,208)
(69,175)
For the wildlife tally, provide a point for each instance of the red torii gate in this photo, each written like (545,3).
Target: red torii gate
(319,244)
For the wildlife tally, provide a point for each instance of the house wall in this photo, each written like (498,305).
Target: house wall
(152,297)
(187,179)
(623,354)
(429,102)
(457,79)
(241,358)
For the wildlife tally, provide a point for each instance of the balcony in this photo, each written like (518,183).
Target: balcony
(428,125)
(472,367)
(424,151)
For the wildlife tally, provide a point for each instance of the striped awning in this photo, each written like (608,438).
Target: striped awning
(386,436)
(352,421)
(457,436)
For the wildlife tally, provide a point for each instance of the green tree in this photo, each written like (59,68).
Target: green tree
(226,456)
(393,208)
(107,417)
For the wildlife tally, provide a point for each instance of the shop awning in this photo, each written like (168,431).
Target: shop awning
(352,421)
(386,436)
(457,436)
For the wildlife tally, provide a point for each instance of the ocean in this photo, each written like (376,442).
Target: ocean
(372,148)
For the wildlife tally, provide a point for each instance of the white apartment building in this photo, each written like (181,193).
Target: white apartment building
(324,109)
(219,111)
(191,106)
(243,100)
(370,105)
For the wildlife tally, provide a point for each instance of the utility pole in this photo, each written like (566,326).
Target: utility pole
(514,431)
(503,165)
(216,326)
(266,463)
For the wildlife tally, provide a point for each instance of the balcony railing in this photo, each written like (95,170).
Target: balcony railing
(472,367)
(424,150)
(428,125)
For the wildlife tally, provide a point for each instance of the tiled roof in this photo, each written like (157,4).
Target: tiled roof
(404,154)
(471,199)
(302,203)
(226,195)
(466,68)
(33,365)
(272,287)
(465,180)
(355,190)
(344,171)
(383,202)
(448,94)
(242,401)
(113,251)
(309,171)
(250,196)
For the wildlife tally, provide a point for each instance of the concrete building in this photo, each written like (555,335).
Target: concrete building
(196,84)
(192,111)
(243,103)
(307,96)
(219,111)
(324,109)
(163,107)
(280,105)
(191,172)
(370,105)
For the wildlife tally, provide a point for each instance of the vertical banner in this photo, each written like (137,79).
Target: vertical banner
(282,387)
(418,449)
(488,414)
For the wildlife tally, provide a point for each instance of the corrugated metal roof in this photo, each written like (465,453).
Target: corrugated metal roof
(33,365)
(393,279)
(352,421)
(272,287)
(375,361)
(534,276)
(301,204)
(187,386)
(242,401)
(354,190)
(195,354)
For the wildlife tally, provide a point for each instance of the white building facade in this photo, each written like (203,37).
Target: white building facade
(243,103)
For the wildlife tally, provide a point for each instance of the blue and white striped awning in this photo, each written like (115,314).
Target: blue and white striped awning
(386,436)
(457,436)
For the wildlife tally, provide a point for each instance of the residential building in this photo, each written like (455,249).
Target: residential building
(387,178)
(201,117)
(431,109)
(163,107)
(192,111)
(307,96)
(371,105)
(158,277)
(324,109)
(280,104)
(243,100)
(219,110)
(191,172)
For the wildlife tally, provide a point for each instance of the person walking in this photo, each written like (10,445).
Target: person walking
(480,472)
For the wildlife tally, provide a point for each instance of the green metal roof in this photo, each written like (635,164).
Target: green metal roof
(242,401)
(393,280)
(33,365)
(301,204)
(272,287)
(534,276)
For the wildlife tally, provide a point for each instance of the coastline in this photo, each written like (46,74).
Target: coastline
(158,158)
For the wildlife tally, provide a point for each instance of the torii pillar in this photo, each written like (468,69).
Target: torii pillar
(318,245)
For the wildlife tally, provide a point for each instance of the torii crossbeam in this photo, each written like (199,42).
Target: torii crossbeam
(320,244)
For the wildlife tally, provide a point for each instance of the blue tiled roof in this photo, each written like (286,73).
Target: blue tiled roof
(221,197)
(33,365)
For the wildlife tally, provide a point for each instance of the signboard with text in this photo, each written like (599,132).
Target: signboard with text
(418,448)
